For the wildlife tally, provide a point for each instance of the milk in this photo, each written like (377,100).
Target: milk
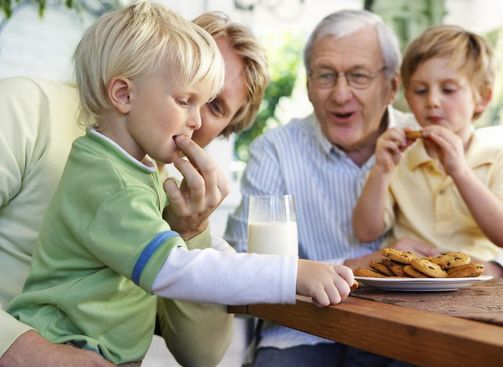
(278,238)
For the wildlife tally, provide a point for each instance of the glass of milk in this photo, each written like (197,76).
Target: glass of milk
(272,226)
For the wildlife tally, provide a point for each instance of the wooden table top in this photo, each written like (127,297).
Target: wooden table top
(480,302)
(414,327)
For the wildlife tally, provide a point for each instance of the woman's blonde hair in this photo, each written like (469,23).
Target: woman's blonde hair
(256,74)
(468,52)
(140,39)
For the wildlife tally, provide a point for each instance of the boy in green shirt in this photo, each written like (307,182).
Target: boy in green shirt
(104,249)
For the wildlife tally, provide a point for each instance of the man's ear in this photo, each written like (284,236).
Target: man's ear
(395,84)
(119,89)
(483,100)
(308,88)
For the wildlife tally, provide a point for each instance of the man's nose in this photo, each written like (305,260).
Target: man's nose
(341,91)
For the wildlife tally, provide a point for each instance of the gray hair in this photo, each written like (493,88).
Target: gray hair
(346,22)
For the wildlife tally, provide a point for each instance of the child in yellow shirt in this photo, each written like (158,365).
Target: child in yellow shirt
(446,188)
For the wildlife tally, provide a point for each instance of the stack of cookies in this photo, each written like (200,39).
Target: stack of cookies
(402,264)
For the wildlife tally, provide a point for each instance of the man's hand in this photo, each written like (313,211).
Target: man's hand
(31,350)
(203,188)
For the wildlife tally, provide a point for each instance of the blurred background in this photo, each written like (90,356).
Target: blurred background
(37,38)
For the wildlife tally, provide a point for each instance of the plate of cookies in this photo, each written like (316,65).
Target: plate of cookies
(404,271)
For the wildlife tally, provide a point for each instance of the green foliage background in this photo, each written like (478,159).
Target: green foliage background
(96,7)
(284,57)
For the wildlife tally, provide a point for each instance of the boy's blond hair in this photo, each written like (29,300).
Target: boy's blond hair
(468,52)
(256,74)
(140,39)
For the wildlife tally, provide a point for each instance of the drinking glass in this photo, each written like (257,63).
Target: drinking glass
(272,225)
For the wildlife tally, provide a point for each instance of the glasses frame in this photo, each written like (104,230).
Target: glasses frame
(348,77)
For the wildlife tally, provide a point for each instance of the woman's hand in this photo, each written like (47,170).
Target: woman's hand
(203,188)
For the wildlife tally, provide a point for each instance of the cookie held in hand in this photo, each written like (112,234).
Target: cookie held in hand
(413,134)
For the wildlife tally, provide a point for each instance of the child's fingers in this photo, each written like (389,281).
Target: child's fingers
(334,294)
(320,298)
(346,273)
(343,287)
(397,157)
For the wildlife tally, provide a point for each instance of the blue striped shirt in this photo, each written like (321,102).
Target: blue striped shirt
(298,159)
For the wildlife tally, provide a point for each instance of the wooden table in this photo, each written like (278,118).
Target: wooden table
(409,330)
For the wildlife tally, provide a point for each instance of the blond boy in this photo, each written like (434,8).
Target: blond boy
(446,189)
(104,249)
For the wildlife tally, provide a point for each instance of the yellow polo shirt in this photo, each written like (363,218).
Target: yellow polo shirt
(424,203)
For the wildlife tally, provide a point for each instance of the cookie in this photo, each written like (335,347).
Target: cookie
(451,260)
(413,134)
(413,273)
(428,268)
(363,272)
(396,268)
(403,257)
(465,271)
(380,268)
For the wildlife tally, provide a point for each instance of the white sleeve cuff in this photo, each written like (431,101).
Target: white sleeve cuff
(227,278)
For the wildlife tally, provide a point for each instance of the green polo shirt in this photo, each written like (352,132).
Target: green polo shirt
(101,246)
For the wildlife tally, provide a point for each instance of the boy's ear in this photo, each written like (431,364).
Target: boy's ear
(483,100)
(119,89)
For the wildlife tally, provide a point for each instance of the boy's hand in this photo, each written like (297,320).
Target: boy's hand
(389,148)
(326,284)
(203,188)
(448,147)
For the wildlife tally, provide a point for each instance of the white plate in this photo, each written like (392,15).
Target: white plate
(422,284)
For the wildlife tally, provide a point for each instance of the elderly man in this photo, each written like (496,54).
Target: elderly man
(37,130)
(352,61)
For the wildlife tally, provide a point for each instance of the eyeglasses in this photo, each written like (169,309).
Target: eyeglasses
(357,79)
